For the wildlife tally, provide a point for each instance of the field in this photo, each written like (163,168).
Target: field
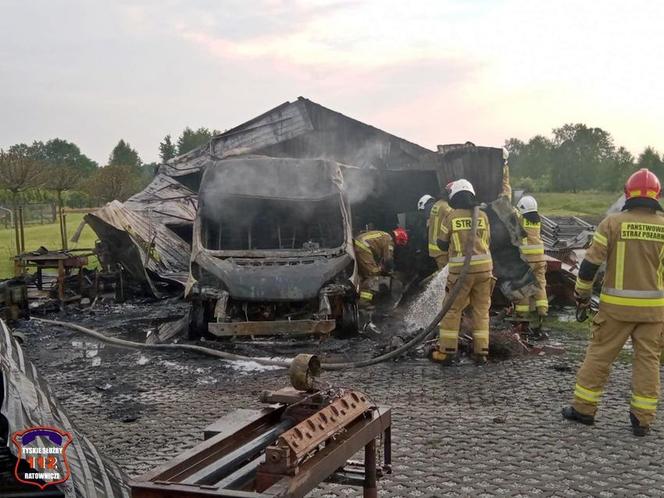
(42,235)
(591,205)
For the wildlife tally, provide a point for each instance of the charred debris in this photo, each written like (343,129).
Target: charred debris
(255,228)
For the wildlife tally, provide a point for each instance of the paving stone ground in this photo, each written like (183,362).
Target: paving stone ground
(460,431)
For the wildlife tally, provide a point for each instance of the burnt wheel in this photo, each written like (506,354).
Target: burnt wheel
(347,324)
(198,320)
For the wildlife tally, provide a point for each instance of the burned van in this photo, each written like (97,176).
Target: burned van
(272,249)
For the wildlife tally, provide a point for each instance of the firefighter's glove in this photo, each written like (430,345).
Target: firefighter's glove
(388,267)
(581,301)
(582,306)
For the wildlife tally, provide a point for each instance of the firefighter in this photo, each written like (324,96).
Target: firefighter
(476,290)
(434,212)
(374,252)
(631,303)
(532,249)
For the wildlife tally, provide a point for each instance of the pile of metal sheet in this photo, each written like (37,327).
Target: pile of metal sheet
(561,233)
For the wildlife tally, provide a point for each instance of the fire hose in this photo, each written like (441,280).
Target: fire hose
(423,335)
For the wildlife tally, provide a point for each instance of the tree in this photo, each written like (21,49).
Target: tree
(650,159)
(113,182)
(531,160)
(167,149)
(124,155)
(19,172)
(58,152)
(582,156)
(190,139)
(60,179)
(620,167)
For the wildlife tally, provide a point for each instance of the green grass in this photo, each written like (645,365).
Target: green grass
(591,205)
(43,235)
(569,328)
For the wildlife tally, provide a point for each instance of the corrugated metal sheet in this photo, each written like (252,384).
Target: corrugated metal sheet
(27,402)
(152,246)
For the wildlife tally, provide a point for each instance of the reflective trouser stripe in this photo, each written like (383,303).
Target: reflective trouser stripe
(620,264)
(474,260)
(644,403)
(522,308)
(542,303)
(481,342)
(532,249)
(366,295)
(449,340)
(449,334)
(592,397)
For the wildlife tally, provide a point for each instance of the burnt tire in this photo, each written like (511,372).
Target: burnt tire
(348,323)
(198,320)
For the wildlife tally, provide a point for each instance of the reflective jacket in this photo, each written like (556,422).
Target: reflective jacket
(436,217)
(454,231)
(632,245)
(532,247)
(379,244)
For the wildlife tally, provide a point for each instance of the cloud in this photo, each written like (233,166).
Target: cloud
(433,71)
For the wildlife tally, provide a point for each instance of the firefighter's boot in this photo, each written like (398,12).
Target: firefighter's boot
(480,359)
(366,324)
(638,429)
(445,359)
(570,413)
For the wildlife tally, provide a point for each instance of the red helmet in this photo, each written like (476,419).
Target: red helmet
(643,183)
(400,236)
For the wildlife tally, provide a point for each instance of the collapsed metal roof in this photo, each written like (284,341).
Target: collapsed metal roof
(157,222)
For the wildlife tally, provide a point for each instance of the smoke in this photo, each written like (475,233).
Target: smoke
(427,305)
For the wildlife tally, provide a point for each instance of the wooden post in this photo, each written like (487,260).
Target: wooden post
(64,231)
(16,231)
(61,280)
(20,226)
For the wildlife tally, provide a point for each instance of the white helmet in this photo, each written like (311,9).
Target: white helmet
(459,186)
(527,204)
(421,204)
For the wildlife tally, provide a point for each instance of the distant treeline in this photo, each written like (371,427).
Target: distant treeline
(57,170)
(575,158)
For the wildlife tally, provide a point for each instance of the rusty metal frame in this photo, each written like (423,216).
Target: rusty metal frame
(166,480)
(272,327)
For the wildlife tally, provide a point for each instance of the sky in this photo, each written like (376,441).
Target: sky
(430,71)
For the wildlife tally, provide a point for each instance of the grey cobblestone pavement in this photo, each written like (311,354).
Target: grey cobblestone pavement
(459,431)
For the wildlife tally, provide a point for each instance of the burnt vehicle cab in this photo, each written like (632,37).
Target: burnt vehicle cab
(272,250)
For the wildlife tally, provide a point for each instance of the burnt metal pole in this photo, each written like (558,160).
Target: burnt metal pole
(370,486)
(219,469)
